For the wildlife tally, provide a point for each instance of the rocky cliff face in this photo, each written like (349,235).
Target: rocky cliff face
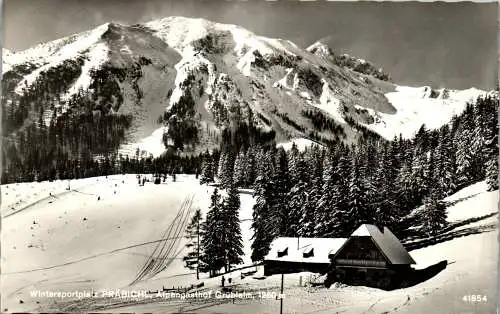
(182,81)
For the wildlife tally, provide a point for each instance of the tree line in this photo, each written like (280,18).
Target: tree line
(328,192)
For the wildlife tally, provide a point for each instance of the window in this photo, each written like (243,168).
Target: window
(283,252)
(308,253)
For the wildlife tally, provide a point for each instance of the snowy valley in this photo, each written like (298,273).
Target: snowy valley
(140,157)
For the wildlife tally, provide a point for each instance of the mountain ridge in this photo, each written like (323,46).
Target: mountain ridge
(205,77)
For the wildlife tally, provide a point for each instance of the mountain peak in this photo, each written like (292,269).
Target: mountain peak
(320,48)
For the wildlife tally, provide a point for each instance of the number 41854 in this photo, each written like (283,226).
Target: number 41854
(474,298)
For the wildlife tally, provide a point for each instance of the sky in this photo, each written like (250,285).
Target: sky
(439,44)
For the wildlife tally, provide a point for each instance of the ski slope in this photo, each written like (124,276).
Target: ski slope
(105,232)
(96,236)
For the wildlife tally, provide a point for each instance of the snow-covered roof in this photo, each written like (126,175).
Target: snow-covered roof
(362,231)
(296,247)
(387,242)
(287,249)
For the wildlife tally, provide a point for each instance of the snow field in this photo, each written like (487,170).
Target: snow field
(62,251)
(415,108)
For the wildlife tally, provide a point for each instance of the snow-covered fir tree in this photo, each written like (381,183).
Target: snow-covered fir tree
(491,143)
(358,211)
(405,194)
(239,175)
(297,197)
(327,204)
(265,219)
(434,215)
(207,175)
(294,165)
(226,168)
(213,250)
(281,181)
(429,168)
(381,190)
(445,164)
(464,154)
(232,240)
(418,174)
(250,166)
(194,235)
(310,214)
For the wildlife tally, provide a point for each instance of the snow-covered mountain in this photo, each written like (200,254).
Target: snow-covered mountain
(417,106)
(207,76)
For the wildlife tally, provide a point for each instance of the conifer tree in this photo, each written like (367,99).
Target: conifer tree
(265,221)
(464,154)
(232,240)
(405,193)
(281,181)
(445,182)
(226,168)
(213,257)
(358,212)
(297,197)
(327,207)
(429,171)
(310,214)
(491,143)
(478,136)
(381,196)
(265,163)
(418,174)
(340,195)
(250,167)
(239,178)
(194,236)
(434,215)
(294,165)
(207,175)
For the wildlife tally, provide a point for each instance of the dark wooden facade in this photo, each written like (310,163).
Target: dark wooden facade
(360,251)
(361,262)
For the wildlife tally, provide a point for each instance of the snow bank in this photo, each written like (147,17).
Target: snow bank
(472,201)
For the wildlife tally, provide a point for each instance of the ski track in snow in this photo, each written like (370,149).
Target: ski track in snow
(17,279)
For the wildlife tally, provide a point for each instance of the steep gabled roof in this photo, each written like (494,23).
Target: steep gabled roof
(387,242)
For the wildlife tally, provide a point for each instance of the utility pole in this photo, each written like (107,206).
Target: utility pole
(281,294)
(198,250)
